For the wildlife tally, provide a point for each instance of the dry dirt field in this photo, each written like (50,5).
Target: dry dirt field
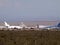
(29,37)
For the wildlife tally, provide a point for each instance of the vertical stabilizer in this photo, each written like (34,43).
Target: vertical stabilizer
(22,24)
(6,24)
(58,25)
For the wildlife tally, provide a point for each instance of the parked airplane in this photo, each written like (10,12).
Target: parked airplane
(24,26)
(8,26)
(18,27)
(49,27)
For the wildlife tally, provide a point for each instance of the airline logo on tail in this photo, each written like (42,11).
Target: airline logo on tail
(58,25)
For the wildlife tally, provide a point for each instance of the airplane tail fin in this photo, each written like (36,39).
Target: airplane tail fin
(6,24)
(22,24)
(58,25)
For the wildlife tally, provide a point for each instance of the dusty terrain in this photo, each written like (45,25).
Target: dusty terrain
(30,37)
(32,23)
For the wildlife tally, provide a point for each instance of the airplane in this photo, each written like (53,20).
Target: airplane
(24,26)
(9,26)
(18,27)
(49,27)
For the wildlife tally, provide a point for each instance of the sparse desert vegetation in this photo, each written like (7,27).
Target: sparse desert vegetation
(29,37)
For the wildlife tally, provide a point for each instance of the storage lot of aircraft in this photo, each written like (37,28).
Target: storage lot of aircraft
(6,25)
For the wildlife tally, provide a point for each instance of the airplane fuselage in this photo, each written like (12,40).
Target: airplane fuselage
(18,27)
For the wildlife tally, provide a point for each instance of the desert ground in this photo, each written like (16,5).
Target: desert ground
(32,23)
(30,37)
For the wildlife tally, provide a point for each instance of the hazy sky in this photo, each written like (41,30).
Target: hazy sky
(30,10)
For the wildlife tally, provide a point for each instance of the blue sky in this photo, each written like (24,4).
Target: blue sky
(30,10)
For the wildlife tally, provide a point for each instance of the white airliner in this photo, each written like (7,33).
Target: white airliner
(50,27)
(24,26)
(8,26)
(18,27)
